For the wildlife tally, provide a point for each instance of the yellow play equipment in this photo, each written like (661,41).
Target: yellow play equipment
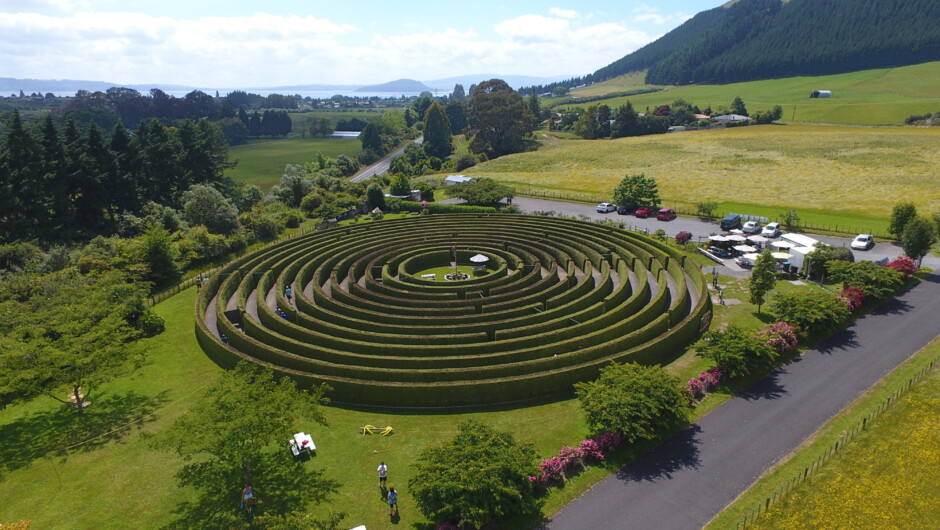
(372,429)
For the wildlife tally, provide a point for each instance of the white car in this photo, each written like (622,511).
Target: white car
(863,242)
(606,207)
(771,230)
(751,227)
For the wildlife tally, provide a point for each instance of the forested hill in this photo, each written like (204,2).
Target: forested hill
(762,39)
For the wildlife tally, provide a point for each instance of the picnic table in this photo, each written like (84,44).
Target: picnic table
(301,442)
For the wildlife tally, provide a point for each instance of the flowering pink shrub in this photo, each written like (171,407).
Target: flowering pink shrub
(904,265)
(591,450)
(696,387)
(683,237)
(707,380)
(852,296)
(608,441)
(780,336)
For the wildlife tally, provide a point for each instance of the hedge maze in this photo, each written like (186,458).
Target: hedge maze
(558,300)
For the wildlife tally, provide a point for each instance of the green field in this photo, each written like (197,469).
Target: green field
(261,162)
(879,480)
(852,175)
(871,97)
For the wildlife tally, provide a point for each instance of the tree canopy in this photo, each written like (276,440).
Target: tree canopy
(762,279)
(633,400)
(482,191)
(498,119)
(480,476)
(735,350)
(437,132)
(918,237)
(637,190)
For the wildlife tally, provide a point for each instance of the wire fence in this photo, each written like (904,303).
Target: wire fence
(847,229)
(763,507)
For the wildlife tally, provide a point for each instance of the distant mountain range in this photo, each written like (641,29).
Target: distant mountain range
(10,85)
(746,40)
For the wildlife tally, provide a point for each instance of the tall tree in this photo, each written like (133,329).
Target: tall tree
(637,190)
(625,121)
(457,114)
(74,337)
(901,214)
(498,118)
(458,94)
(437,132)
(371,139)
(918,238)
(233,436)
(737,106)
(762,279)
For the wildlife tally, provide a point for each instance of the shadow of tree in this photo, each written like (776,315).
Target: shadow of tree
(767,388)
(679,452)
(841,341)
(62,431)
(281,484)
(894,306)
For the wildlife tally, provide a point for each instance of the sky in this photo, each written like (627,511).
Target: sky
(240,44)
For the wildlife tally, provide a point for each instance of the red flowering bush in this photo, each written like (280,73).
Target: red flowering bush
(608,441)
(591,450)
(706,381)
(852,296)
(904,265)
(780,336)
(683,237)
(696,387)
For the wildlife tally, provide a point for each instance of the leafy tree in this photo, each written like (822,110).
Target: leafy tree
(498,118)
(735,350)
(790,219)
(375,196)
(205,205)
(234,436)
(535,105)
(706,209)
(918,237)
(437,132)
(762,279)
(737,106)
(482,475)
(292,188)
(635,401)
(371,139)
(637,190)
(70,339)
(625,122)
(812,311)
(901,214)
(457,115)
(464,162)
(872,279)
(481,191)
(458,94)
(400,186)
(346,166)
(160,256)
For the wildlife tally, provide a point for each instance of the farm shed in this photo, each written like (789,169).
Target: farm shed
(821,94)
(456,179)
(345,134)
(731,118)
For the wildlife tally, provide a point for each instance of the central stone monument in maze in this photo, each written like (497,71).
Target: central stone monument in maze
(555,302)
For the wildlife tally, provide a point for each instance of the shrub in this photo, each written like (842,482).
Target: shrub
(872,279)
(660,234)
(683,237)
(150,323)
(812,311)
(905,267)
(852,296)
(780,336)
(735,350)
(464,162)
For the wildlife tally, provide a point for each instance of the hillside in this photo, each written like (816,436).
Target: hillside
(764,39)
(400,85)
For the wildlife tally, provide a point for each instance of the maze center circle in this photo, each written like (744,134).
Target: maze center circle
(547,303)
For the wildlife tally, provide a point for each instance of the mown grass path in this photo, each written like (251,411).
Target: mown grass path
(693,476)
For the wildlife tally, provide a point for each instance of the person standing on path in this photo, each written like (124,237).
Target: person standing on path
(392,502)
(383,474)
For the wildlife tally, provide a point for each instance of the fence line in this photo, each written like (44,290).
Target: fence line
(799,226)
(846,437)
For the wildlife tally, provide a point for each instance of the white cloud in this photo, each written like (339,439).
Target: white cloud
(651,15)
(563,13)
(270,50)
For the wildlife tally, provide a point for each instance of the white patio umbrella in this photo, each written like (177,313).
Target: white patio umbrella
(736,237)
(479,258)
(781,255)
(745,248)
(757,238)
(717,238)
(782,244)
(751,257)
(737,231)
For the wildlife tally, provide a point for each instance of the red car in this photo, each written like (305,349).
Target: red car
(666,214)
(643,211)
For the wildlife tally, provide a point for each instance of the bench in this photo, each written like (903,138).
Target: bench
(429,276)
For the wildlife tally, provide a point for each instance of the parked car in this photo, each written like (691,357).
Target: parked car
(751,227)
(644,212)
(863,242)
(623,209)
(666,214)
(732,220)
(771,230)
(605,207)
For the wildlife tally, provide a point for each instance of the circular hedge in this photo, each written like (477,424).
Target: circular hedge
(559,300)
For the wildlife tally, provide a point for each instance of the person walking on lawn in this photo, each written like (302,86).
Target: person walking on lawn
(383,474)
(392,502)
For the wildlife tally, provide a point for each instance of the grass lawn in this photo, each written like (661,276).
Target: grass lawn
(261,162)
(885,478)
(870,97)
(115,470)
(830,175)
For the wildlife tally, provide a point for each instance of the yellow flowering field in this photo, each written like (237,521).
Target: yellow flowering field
(886,478)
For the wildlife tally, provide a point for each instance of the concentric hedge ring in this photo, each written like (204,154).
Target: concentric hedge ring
(560,300)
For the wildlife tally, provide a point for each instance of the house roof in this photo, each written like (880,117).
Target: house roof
(731,117)
(458,178)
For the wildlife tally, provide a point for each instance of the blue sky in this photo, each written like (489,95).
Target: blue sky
(279,42)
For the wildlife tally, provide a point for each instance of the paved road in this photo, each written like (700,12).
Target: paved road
(688,480)
(381,166)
